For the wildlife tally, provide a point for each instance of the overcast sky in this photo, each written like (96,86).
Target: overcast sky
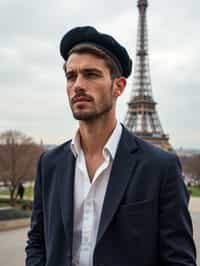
(32,83)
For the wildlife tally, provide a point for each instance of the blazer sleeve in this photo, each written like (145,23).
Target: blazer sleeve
(177,246)
(35,249)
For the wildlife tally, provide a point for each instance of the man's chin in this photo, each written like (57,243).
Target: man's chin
(84,116)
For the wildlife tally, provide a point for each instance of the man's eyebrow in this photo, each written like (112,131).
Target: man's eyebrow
(69,72)
(88,69)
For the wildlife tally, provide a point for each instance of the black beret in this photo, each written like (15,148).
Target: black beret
(105,42)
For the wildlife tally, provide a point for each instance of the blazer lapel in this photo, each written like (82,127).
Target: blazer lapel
(123,166)
(65,177)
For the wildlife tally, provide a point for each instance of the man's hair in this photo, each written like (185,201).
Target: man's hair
(92,49)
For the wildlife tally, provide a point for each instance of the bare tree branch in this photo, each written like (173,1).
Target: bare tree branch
(18,158)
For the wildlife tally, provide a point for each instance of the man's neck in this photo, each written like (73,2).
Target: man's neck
(93,136)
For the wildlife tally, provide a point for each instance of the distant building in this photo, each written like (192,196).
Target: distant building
(187,152)
(142,117)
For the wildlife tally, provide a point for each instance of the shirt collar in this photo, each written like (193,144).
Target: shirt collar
(75,144)
(110,146)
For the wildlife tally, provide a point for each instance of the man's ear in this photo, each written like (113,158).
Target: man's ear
(120,84)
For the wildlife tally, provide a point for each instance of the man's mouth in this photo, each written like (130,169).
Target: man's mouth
(80,99)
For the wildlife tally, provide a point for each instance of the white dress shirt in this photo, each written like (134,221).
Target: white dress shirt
(89,197)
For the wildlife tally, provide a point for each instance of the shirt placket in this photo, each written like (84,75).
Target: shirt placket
(88,217)
(88,213)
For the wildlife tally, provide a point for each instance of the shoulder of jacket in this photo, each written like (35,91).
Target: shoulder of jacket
(54,153)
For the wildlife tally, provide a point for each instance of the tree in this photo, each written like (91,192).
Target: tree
(196,168)
(191,166)
(18,158)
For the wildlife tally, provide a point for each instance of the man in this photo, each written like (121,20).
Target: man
(106,198)
(20,191)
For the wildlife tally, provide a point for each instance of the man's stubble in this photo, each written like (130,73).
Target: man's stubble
(90,116)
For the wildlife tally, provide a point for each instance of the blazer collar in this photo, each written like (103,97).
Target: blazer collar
(125,162)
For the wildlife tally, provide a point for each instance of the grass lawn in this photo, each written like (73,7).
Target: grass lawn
(195,191)
(4,193)
(5,196)
(28,193)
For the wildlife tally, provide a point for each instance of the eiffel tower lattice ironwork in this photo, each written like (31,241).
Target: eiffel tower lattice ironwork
(142,118)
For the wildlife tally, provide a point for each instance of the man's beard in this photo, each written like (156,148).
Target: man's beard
(94,114)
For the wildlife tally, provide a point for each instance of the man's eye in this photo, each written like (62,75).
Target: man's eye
(91,74)
(71,77)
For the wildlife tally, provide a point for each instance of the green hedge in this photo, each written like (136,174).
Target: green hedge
(13,213)
(23,204)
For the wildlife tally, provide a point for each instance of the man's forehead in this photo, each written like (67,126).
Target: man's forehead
(86,61)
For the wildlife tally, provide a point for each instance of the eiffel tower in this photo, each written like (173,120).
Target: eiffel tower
(142,118)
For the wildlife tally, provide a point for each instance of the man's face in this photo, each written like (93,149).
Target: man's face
(90,90)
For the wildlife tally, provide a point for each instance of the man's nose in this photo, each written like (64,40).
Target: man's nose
(79,83)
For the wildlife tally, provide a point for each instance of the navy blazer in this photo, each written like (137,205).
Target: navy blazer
(145,219)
